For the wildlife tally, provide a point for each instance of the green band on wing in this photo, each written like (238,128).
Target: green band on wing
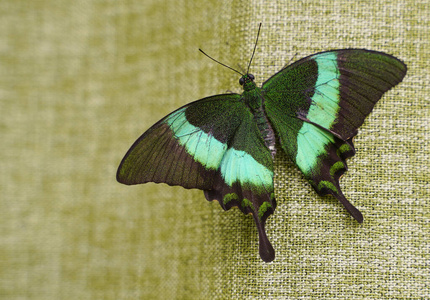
(311,140)
(239,166)
(328,185)
(246,203)
(336,167)
(325,101)
(344,148)
(204,148)
(263,208)
(229,197)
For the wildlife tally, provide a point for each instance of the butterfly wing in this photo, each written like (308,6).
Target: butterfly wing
(177,152)
(212,144)
(317,104)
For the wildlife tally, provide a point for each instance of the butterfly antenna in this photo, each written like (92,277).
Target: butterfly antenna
(255,47)
(220,62)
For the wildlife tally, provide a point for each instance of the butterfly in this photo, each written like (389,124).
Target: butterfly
(225,144)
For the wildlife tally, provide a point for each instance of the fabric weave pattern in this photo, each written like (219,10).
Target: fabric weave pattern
(81,80)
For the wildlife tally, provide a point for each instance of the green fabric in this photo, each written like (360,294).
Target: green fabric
(81,80)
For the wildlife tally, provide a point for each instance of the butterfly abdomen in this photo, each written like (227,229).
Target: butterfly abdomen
(266,130)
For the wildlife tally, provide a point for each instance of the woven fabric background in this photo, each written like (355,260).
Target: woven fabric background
(81,80)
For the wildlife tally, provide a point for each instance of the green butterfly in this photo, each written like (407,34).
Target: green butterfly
(225,144)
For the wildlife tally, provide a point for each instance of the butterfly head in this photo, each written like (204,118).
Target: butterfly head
(247,81)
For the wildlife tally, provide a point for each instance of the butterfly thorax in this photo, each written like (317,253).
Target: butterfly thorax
(253,98)
(266,130)
(251,93)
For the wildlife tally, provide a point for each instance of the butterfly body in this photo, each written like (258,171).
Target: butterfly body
(225,144)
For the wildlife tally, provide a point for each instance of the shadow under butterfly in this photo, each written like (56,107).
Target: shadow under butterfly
(225,144)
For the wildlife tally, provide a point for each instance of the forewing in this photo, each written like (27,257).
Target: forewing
(335,90)
(186,147)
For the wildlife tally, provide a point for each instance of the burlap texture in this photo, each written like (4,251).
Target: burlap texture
(81,80)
